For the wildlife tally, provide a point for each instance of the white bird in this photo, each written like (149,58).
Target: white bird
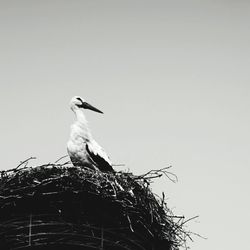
(83,150)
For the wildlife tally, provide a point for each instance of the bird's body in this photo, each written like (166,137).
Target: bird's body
(82,148)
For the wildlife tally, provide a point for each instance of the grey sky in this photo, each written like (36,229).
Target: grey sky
(172,78)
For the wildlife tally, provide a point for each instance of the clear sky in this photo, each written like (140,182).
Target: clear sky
(172,78)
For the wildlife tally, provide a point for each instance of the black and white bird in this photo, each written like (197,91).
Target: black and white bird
(83,150)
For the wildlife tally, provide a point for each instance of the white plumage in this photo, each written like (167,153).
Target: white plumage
(82,148)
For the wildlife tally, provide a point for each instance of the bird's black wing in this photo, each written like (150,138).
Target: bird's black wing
(98,160)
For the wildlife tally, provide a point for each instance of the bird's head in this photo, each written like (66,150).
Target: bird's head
(79,103)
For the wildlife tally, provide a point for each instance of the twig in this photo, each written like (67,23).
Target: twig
(61,158)
(102,237)
(204,238)
(130,225)
(20,164)
(53,165)
(152,177)
(192,218)
(157,173)
(30,227)
(25,161)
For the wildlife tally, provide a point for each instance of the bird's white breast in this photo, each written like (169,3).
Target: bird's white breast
(76,145)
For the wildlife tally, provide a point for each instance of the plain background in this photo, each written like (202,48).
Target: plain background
(172,78)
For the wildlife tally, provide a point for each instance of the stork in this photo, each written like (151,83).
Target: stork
(83,150)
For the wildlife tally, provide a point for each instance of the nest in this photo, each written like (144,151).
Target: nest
(60,205)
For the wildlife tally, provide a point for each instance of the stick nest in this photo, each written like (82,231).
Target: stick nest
(60,204)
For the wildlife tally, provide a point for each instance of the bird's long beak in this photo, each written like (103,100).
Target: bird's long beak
(86,105)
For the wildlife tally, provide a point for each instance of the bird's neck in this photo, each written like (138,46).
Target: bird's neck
(82,125)
(80,117)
